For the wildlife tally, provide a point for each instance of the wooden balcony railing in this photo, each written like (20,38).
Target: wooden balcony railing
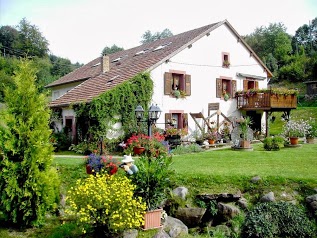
(266,101)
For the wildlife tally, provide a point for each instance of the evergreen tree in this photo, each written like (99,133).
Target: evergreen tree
(28,184)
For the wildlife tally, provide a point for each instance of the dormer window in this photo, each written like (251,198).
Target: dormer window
(225,60)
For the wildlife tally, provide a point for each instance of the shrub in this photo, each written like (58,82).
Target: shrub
(279,219)
(106,203)
(153,179)
(28,184)
(273,143)
(185,149)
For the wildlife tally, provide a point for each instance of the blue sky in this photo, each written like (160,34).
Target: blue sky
(80,29)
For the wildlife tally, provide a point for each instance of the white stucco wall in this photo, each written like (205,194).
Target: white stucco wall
(62,89)
(203,61)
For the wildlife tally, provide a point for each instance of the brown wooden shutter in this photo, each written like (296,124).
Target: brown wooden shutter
(168,118)
(256,84)
(168,80)
(218,88)
(233,88)
(188,84)
(185,121)
(245,84)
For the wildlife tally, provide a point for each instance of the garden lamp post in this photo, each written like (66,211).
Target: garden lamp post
(153,114)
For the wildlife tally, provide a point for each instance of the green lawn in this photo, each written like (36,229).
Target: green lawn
(299,113)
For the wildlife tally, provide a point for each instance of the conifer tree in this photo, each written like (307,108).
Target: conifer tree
(29,186)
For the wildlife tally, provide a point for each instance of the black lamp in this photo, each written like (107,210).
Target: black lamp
(154,115)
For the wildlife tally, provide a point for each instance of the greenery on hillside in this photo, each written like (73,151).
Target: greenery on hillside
(289,58)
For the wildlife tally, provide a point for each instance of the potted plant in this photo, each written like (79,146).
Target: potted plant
(244,125)
(152,181)
(293,129)
(311,131)
(136,143)
(173,135)
(212,136)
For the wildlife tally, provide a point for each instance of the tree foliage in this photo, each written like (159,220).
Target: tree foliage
(289,58)
(31,40)
(28,184)
(149,37)
(109,50)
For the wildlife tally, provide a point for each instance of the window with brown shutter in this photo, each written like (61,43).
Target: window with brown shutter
(225,86)
(250,84)
(177,81)
(180,119)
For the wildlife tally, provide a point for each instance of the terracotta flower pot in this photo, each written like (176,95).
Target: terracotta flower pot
(137,150)
(88,169)
(310,140)
(293,140)
(245,144)
(152,219)
(211,141)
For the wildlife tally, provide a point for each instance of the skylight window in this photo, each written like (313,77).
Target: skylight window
(141,52)
(113,78)
(162,46)
(116,60)
(95,65)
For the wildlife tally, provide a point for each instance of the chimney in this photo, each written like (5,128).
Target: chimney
(105,65)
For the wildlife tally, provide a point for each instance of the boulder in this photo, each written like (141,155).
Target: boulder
(174,227)
(227,211)
(190,216)
(181,192)
(133,233)
(269,197)
(161,234)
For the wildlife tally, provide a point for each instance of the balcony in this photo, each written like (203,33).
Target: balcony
(267,101)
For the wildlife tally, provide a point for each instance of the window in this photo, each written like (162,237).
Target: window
(180,120)
(177,80)
(250,84)
(225,86)
(225,60)
(56,95)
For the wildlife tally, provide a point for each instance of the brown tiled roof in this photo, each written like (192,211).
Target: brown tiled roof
(95,82)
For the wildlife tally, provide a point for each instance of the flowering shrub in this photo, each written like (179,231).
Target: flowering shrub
(106,203)
(102,163)
(172,131)
(312,128)
(276,91)
(295,128)
(153,145)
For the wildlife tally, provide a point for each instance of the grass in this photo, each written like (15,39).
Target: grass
(299,113)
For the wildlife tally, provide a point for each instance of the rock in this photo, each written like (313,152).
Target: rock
(181,192)
(242,203)
(174,227)
(255,179)
(133,233)
(190,216)
(269,197)
(312,202)
(161,234)
(227,211)
(222,197)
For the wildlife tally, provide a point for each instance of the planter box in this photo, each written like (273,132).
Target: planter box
(152,219)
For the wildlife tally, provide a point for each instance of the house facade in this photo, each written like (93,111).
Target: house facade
(197,71)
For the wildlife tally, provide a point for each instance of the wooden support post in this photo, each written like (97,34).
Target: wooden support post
(267,133)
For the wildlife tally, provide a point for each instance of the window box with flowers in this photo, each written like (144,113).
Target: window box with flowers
(226,64)
(173,135)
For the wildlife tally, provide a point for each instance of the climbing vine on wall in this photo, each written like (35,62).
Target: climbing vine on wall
(116,105)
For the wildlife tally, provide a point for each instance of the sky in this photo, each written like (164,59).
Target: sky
(79,29)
